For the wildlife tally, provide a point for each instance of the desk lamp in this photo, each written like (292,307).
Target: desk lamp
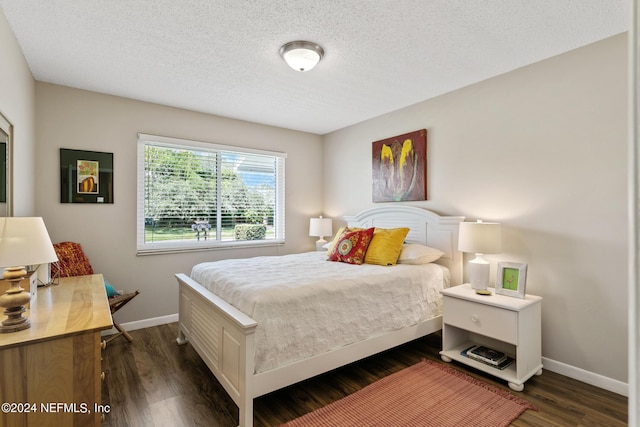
(23,241)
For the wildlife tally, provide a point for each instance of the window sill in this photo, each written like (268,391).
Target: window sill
(216,246)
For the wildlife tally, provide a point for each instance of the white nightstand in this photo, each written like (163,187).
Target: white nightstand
(507,324)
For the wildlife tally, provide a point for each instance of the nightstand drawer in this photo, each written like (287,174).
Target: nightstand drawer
(482,319)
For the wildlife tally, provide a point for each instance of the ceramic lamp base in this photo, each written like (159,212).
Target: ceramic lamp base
(479,273)
(320,243)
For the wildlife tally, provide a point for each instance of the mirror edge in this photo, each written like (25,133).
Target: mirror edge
(7,127)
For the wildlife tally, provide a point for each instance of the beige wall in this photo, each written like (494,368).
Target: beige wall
(17,105)
(76,119)
(543,151)
(540,149)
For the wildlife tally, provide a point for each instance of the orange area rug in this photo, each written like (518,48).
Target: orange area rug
(425,394)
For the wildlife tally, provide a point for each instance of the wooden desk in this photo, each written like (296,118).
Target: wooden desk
(51,373)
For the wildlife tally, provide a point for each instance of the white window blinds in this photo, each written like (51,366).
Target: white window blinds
(194,195)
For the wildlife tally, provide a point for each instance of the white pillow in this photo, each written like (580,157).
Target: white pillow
(414,253)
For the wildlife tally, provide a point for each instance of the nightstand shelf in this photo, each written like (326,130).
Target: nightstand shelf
(507,324)
(509,373)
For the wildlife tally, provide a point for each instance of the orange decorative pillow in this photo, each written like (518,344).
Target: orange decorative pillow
(71,260)
(385,246)
(351,246)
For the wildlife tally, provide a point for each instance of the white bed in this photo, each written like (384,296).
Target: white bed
(232,343)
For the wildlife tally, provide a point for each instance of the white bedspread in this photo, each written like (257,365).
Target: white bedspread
(305,305)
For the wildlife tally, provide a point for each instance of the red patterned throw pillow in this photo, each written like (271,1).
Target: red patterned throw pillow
(71,260)
(351,246)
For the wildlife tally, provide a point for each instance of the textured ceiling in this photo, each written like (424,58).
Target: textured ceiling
(221,56)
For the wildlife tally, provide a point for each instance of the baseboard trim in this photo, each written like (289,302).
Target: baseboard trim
(579,374)
(592,378)
(145,323)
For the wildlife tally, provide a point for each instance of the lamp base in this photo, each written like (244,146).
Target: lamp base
(15,321)
(14,300)
(320,243)
(479,273)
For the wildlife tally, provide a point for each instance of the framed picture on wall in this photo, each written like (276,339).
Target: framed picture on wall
(399,166)
(511,279)
(86,176)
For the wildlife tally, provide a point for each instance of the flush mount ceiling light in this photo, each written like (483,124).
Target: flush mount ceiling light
(301,55)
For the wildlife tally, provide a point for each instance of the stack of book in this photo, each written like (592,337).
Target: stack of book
(489,356)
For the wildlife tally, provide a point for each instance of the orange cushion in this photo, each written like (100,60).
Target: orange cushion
(385,246)
(71,260)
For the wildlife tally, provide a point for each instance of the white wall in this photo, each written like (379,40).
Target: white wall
(543,151)
(76,119)
(17,105)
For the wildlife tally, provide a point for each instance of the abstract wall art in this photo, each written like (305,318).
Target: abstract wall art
(400,168)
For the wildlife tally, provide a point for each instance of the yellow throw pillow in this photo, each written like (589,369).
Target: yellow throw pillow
(385,246)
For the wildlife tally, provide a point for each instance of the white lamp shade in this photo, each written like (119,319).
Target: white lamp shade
(320,227)
(301,55)
(480,237)
(25,241)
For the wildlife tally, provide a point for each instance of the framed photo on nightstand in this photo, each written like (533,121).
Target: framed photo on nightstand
(511,279)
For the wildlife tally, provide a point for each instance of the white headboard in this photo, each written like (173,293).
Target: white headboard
(426,227)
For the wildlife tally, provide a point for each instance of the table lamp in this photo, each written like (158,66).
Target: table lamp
(320,227)
(479,238)
(23,241)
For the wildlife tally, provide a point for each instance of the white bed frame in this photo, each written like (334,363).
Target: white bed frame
(224,336)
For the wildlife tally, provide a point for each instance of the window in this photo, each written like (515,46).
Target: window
(195,195)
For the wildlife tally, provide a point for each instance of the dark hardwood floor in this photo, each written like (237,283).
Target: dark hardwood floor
(154,382)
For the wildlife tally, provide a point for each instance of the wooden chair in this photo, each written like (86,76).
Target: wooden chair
(115,304)
(73,262)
